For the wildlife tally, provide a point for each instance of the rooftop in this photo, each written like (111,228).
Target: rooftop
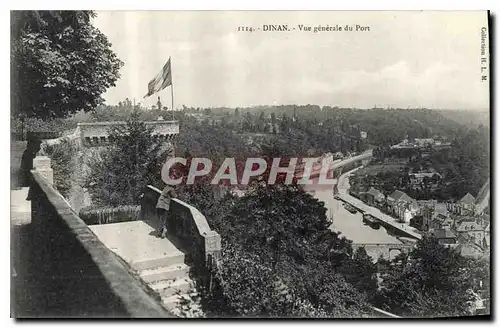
(443,233)
(440,208)
(375,193)
(401,196)
(469,226)
(468,199)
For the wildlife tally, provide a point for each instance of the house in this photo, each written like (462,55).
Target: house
(483,219)
(396,196)
(404,144)
(472,230)
(374,197)
(440,217)
(466,205)
(468,201)
(426,209)
(402,206)
(441,222)
(405,211)
(444,236)
(418,178)
(421,143)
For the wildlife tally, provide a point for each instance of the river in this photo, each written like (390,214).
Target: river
(350,225)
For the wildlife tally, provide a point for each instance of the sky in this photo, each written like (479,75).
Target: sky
(406,59)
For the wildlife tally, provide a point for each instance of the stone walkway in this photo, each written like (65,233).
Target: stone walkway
(20,208)
(27,299)
(156,261)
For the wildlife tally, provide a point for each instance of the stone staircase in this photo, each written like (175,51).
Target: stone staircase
(168,277)
(157,262)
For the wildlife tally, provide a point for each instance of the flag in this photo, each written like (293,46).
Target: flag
(162,80)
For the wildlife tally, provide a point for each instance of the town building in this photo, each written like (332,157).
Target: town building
(440,217)
(465,206)
(374,197)
(422,143)
(402,206)
(472,230)
(444,236)
(418,178)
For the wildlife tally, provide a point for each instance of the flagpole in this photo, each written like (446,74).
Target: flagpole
(172,87)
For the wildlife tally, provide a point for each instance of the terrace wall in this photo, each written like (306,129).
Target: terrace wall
(76,275)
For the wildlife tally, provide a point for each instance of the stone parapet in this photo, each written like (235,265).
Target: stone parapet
(97,133)
(42,165)
(188,226)
(76,273)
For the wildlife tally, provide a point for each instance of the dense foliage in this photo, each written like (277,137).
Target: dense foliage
(60,63)
(383,126)
(282,244)
(432,281)
(461,169)
(63,157)
(118,175)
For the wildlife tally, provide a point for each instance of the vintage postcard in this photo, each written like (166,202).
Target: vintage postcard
(250,164)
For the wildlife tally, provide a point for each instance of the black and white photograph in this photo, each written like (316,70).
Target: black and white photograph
(250,164)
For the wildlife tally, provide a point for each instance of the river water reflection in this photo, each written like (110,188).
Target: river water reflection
(350,225)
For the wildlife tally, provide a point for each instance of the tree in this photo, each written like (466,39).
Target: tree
(273,118)
(433,281)
(287,233)
(261,122)
(246,287)
(361,272)
(336,296)
(119,175)
(60,63)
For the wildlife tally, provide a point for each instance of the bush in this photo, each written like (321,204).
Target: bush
(63,156)
(244,286)
(106,215)
(118,176)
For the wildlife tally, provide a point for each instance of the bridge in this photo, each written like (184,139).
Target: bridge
(387,251)
(350,163)
(337,167)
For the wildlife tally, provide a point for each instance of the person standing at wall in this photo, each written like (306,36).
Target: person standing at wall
(29,154)
(162,208)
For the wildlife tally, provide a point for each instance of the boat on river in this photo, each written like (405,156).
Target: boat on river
(371,221)
(350,208)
